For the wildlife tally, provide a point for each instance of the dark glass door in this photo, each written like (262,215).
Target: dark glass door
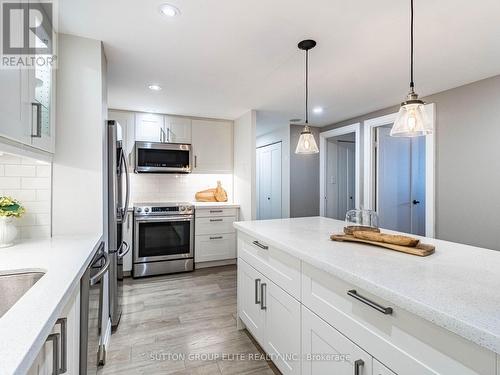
(162,240)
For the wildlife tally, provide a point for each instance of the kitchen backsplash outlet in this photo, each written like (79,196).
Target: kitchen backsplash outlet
(175,187)
(29,181)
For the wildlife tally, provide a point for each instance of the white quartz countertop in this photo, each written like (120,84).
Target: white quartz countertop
(26,325)
(455,288)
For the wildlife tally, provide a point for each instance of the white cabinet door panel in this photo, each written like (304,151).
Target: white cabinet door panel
(326,351)
(149,127)
(249,311)
(212,143)
(126,120)
(178,129)
(282,328)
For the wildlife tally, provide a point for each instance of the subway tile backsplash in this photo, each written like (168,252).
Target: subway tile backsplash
(175,188)
(28,181)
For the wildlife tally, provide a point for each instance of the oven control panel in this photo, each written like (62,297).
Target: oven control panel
(164,209)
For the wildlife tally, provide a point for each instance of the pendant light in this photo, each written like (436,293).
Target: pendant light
(307,143)
(411,121)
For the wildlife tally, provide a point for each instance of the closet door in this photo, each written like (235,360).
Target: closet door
(269,181)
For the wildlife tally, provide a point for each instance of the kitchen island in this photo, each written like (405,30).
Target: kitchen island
(403,314)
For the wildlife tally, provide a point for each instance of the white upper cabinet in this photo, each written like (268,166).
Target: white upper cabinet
(27,104)
(149,127)
(127,123)
(212,143)
(178,129)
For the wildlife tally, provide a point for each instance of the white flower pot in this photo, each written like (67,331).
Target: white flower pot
(8,231)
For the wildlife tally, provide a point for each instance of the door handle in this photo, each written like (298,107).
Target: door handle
(358,364)
(121,253)
(64,345)
(54,337)
(263,288)
(38,107)
(416,202)
(127,195)
(98,276)
(257,287)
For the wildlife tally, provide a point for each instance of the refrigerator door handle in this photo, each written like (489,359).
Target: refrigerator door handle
(127,196)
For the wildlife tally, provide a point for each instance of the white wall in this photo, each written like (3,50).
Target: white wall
(244,165)
(281,135)
(155,187)
(29,182)
(78,161)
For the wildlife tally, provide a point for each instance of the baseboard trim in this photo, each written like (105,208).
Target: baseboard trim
(215,263)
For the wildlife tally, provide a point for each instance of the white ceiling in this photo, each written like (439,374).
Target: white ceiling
(220,58)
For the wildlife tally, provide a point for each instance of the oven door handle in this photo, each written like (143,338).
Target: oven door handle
(163,219)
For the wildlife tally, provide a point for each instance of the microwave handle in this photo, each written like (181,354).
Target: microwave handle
(127,195)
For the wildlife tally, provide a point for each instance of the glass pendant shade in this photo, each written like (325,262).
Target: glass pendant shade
(412,120)
(307,143)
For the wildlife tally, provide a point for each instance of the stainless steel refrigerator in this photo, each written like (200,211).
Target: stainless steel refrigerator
(118,204)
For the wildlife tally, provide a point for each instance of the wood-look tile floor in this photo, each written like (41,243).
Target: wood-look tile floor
(183,324)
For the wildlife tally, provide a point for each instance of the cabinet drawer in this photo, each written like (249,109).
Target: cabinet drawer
(214,247)
(281,268)
(212,225)
(210,212)
(391,337)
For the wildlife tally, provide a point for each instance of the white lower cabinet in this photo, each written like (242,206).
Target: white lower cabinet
(313,323)
(271,315)
(326,351)
(215,238)
(249,308)
(282,327)
(65,337)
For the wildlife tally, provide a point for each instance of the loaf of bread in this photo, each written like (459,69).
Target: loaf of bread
(386,238)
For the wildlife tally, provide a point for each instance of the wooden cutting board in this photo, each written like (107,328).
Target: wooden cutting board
(421,249)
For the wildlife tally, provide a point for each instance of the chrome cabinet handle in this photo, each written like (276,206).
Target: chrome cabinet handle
(217,238)
(215,211)
(257,287)
(64,345)
(212,220)
(257,243)
(263,288)
(384,310)
(38,107)
(54,337)
(358,364)
(98,276)
(168,134)
(195,161)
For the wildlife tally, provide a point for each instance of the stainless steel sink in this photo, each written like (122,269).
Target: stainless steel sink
(13,286)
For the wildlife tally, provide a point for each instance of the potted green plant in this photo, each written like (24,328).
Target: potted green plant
(9,209)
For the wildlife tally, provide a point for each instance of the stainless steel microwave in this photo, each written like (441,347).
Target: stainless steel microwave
(157,157)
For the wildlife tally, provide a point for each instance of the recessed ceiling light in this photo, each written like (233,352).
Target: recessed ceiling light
(318,110)
(169,10)
(155,87)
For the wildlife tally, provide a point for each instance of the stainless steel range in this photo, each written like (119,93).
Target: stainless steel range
(163,238)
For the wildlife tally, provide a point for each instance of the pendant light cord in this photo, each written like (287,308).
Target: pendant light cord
(307,86)
(412,85)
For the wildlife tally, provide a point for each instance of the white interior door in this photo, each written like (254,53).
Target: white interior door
(341,178)
(400,182)
(269,181)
